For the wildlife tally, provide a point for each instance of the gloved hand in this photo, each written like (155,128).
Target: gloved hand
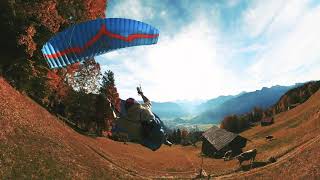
(139,90)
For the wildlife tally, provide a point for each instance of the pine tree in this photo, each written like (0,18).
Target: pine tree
(108,91)
(107,81)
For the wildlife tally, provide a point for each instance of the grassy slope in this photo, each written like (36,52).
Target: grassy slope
(292,129)
(34,143)
(296,131)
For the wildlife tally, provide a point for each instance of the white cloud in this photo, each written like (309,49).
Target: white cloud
(273,16)
(186,66)
(282,62)
(289,14)
(163,13)
(133,9)
(279,44)
(260,15)
(232,3)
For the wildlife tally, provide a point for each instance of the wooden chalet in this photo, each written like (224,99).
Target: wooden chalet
(217,141)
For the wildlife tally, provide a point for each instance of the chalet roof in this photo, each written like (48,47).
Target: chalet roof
(218,137)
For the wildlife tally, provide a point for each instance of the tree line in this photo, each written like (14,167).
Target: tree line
(78,92)
(185,137)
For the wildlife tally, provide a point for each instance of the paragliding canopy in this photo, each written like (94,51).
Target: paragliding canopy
(89,39)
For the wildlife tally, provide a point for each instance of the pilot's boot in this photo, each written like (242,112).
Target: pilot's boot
(167,142)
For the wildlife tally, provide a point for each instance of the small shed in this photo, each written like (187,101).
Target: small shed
(267,121)
(217,141)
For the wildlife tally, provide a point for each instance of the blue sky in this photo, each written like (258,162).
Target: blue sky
(209,48)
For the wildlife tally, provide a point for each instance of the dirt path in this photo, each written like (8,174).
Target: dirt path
(116,166)
(152,173)
(191,174)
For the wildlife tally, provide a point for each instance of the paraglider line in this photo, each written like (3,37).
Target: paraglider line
(103,31)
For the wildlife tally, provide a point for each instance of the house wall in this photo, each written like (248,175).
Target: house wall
(237,144)
(207,148)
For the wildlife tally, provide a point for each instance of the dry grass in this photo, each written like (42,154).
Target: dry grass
(34,144)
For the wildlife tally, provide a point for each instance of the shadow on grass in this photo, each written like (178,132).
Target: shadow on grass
(255,164)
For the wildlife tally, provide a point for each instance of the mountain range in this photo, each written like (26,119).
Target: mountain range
(214,110)
(169,110)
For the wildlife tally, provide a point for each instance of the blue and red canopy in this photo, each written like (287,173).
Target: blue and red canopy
(89,39)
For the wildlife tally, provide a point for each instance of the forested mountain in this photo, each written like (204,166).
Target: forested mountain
(216,102)
(243,103)
(214,110)
(295,96)
(290,100)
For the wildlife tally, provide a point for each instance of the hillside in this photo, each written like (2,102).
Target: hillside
(297,138)
(36,144)
(33,143)
(295,96)
(243,103)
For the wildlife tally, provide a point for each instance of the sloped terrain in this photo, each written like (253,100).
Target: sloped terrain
(35,144)
(296,143)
